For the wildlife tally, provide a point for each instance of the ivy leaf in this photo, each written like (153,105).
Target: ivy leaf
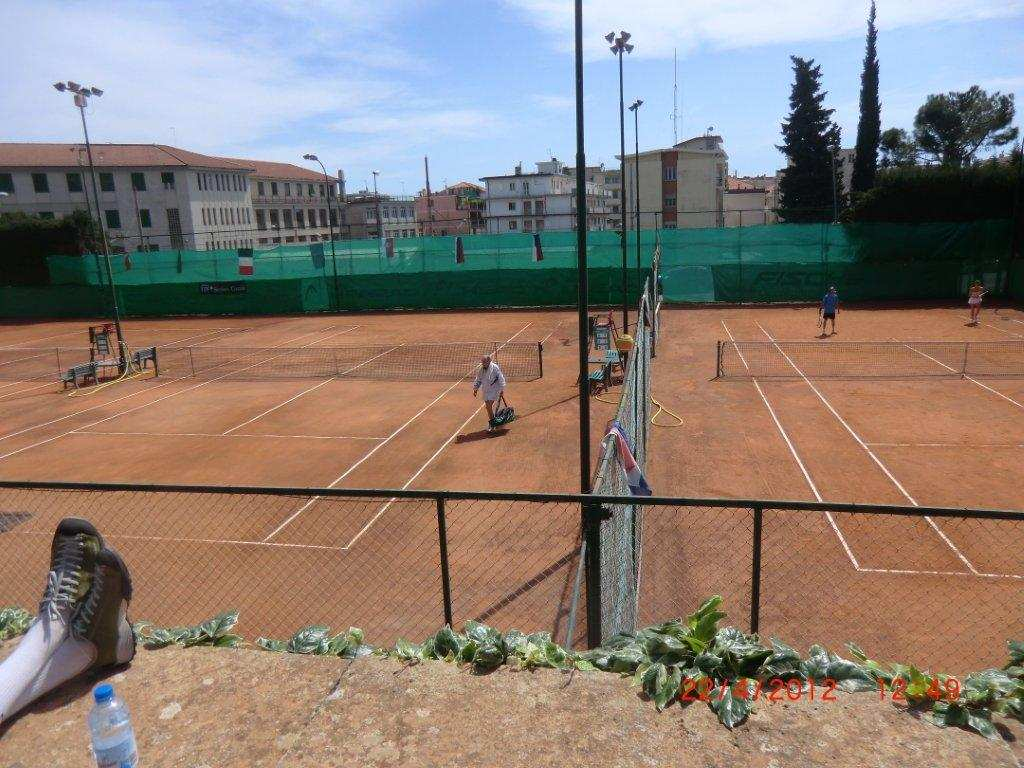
(308,639)
(1016,652)
(483,634)
(783,662)
(945,714)
(731,710)
(448,645)
(277,646)
(668,690)
(703,623)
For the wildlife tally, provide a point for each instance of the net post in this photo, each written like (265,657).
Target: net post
(191,362)
(591,520)
(963,364)
(755,573)
(156,363)
(442,542)
(540,357)
(59,367)
(718,359)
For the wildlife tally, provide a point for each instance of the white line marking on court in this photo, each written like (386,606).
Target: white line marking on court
(45,353)
(796,456)
(23,391)
(41,338)
(552,331)
(1001,330)
(216,434)
(136,408)
(870,453)
(965,446)
(969,378)
(310,389)
(195,336)
(380,445)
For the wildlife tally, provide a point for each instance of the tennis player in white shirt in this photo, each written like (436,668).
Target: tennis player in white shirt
(492,381)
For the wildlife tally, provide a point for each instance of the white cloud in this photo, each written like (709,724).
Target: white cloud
(443,122)
(554,102)
(658,26)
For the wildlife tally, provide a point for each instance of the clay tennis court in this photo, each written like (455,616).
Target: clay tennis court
(304,432)
(883,581)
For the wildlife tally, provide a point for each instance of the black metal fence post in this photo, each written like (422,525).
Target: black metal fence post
(963,365)
(442,542)
(591,517)
(718,360)
(755,573)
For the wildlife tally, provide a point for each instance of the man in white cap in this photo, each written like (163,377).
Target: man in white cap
(492,381)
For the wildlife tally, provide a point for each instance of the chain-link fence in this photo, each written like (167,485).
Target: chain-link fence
(939,588)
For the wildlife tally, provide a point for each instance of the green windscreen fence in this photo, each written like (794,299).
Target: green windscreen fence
(797,262)
(770,263)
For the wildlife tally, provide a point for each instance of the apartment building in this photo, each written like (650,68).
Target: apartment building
(544,200)
(611,180)
(290,204)
(457,209)
(148,196)
(681,186)
(397,212)
(751,200)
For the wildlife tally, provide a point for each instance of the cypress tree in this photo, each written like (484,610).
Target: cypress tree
(870,126)
(810,144)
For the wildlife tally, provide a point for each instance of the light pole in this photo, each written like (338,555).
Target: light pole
(620,45)
(376,197)
(635,109)
(330,225)
(583,320)
(835,192)
(81,96)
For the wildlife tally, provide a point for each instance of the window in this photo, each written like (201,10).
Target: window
(144,218)
(40,183)
(167,179)
(311,192)
(512,205)
(526,187)
(7,183)
(513,225)
(287,188)
(290,239)
(139,182)
(46,215)
(74,181)
(248,215)
(538,207)
(312,218)
(540,224)
(203,212)
(274,222)
(528,207)
(113,219)
(286,217)
(260,189)
(670,201)
(322,191)
(323,218)
(260,220)
(106,182)
(528,226)
(273,188)
(669,173)
(394,214)
(300,219)
(231,215)
(511,185)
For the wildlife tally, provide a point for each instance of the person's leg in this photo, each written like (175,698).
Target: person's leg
(73,552)
(490,413)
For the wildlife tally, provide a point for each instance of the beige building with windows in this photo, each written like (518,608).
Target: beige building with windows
(291,204)
(398,214)
(682,186)
(751,200)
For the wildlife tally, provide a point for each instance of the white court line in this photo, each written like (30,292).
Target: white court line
(796,456)
(27,389)
(948,445)
(380,445)
(41,338)
(307,391)
(552,331)
(45,353)
(195,336)
(1007,398)
(125,397)
(1001,330)
(870,453)
(216,434)
(138,407)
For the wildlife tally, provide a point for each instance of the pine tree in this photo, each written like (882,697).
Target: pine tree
(811,145)
(870,126)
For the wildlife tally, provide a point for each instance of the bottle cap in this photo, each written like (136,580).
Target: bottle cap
(104,692)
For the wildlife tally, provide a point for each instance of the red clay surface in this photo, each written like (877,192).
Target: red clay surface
(932,590)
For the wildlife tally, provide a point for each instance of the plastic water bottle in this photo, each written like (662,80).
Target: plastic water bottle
(113,740)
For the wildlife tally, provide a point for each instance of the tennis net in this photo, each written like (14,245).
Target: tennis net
(397,362)
(31,363)
(869,359)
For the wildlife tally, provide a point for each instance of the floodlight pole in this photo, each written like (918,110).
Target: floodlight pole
(622,207)
(330,227)
(81,99)
(635,109)
(581,263)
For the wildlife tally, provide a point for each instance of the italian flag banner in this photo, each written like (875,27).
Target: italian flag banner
(245,261)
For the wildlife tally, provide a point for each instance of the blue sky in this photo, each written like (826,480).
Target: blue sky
(477,86)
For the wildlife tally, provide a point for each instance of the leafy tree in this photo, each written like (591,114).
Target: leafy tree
(870,125)
(898,149)
(952,127)
(811,145)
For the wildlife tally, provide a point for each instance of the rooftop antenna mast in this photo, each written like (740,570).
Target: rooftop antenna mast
(675,98)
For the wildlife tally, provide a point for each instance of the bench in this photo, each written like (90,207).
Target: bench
(90,371)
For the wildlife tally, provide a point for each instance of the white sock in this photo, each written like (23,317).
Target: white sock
(69,661)
(18,671)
